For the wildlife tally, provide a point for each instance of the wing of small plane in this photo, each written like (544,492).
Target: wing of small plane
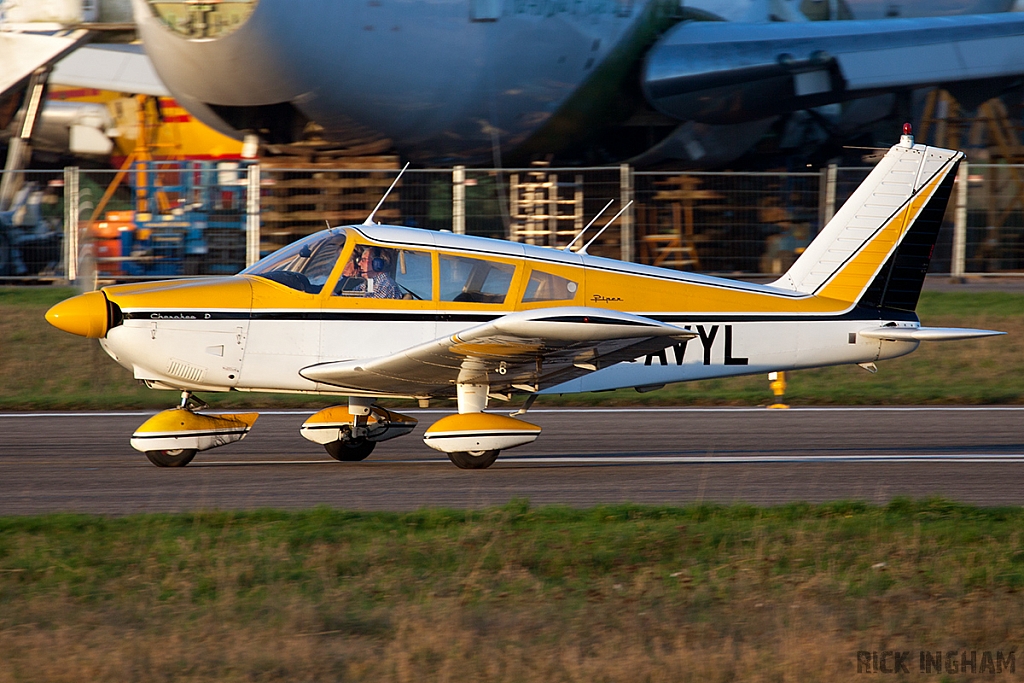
(524,351)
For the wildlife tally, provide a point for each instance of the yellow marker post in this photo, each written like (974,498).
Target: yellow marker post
(777,382)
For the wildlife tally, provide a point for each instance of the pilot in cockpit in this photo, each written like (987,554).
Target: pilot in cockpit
(368,274)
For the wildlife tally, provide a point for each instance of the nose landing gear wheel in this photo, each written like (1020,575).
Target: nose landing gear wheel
(473,460)
(350,451)
(176,457)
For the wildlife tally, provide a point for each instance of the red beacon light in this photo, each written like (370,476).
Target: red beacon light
(908,136)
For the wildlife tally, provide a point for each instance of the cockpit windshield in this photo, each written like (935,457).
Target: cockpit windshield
(304,265)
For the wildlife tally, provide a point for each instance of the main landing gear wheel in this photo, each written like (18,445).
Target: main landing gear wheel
(473,460)
(176,457)
(350,451)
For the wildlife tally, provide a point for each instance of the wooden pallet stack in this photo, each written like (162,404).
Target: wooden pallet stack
(543,210)
(305,184)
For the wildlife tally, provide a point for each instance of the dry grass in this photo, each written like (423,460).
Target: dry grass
(609,594)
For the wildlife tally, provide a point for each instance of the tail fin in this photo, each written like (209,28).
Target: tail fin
(876,250)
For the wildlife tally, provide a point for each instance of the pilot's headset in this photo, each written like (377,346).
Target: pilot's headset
(377,262)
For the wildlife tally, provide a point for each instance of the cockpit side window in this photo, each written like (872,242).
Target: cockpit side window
(383,273)
(474,280)
(304,265)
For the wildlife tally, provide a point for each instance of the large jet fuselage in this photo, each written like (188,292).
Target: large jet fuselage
(449,80)
(424,74)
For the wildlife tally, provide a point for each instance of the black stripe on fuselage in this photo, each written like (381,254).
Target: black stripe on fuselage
(169,316)
(858,313)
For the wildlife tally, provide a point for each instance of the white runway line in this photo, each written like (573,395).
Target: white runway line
(821,409)
(205,463)
(765,459)
(670,460)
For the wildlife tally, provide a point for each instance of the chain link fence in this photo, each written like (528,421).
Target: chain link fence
(994,239)
(736,223)
(201,218)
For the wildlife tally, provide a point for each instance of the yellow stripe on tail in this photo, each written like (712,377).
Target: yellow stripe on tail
(877,248)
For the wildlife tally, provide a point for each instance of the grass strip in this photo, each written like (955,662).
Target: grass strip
(45,369)
(611,593)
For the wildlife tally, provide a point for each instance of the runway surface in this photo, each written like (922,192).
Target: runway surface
(82,462)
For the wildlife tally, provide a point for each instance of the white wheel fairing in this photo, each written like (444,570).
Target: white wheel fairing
(455,442)
(479,432)
(327,426)
(182,429)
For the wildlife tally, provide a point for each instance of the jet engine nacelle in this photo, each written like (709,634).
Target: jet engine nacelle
(81,128)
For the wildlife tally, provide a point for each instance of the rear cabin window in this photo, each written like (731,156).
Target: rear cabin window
(304,265)
(382,273)
(474,280)
(547,287)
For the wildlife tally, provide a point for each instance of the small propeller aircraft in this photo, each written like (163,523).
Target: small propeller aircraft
(371,312)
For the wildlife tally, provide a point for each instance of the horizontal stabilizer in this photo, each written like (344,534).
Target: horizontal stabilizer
(926,333)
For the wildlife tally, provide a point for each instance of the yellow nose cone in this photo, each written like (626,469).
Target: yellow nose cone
(84,315)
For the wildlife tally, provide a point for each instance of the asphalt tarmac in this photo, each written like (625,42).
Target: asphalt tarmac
(82,462)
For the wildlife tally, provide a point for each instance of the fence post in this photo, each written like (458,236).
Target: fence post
(829,207)
(958,262)
(552,211)
(577,207)
(626,230)
(513,208)
(71,199)
(252,215)
(459,200)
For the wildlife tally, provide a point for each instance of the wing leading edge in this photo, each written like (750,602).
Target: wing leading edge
(522,351)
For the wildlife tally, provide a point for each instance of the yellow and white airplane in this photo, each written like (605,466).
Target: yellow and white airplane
(370,312)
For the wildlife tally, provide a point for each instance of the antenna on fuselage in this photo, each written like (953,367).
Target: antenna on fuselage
(592,220)
(594,238)
(369,219)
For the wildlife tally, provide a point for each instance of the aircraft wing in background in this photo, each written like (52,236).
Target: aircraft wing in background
(22,53)
(119,68)
(727,72)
